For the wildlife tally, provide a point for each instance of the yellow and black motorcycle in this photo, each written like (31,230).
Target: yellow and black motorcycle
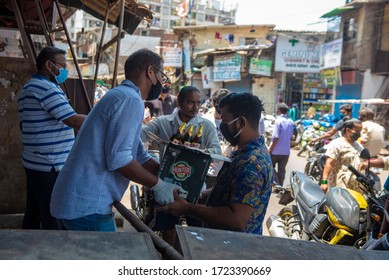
(342,216)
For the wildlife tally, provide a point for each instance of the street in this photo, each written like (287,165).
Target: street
(296,163)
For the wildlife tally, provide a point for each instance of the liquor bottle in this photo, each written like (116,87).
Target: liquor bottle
(177,138)
(197,139)
(188,136)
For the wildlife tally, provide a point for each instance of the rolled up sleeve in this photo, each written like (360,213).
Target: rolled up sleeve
(123,133)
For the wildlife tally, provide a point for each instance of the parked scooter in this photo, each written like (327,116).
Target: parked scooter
(342,216)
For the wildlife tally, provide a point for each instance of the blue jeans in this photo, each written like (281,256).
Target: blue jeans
(94,222)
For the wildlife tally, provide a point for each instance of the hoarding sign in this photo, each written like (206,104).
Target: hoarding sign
(187,64)
(172,57)
(9,44)
(227,68)
(260,67)
(331,54)
(207,78)
(298,54)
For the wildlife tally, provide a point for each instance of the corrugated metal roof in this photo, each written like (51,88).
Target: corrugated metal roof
(134,12)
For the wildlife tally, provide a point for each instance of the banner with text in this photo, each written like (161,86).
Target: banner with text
(298,54)
(207,78)
(260,67)
(172,57)
(227,68)
(331,54)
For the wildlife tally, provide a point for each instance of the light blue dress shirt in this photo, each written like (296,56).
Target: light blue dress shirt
(109,139)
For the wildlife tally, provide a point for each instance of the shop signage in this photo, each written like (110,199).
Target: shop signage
(331,54)
(172,57)
(260,67)
(207,78)
(298,54)
(227,68)
(330,77)
(187,64)
(9,44)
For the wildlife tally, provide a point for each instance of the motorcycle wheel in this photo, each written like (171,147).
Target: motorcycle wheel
(286,213)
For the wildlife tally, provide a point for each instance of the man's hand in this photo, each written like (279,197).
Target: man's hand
(178,208)
(363,165)
(312,141)
(163,192)
(324,187)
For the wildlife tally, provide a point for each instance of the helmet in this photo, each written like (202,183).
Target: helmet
(218,94)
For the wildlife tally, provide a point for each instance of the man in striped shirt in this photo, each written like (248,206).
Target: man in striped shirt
(47,121)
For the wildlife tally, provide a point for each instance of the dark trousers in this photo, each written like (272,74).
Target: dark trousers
(39,187)
(280,161)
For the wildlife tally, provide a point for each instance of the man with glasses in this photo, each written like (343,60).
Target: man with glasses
(109,153)
(47,121)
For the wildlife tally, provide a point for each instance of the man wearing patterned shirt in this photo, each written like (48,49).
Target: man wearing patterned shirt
(240,196)
(47,121)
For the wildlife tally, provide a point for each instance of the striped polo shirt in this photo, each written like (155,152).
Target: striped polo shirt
(46,139)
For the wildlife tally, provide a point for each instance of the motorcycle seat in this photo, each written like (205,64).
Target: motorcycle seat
(310,192)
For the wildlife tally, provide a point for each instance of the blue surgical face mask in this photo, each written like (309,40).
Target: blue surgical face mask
(62,76)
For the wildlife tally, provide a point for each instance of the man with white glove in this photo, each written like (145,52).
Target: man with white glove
(108,152)
(163,192)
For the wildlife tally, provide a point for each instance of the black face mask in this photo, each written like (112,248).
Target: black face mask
(165,89)
(232,138)
(155,91)
(355,136)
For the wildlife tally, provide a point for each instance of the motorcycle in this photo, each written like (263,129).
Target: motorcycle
(342,216)
(316,161)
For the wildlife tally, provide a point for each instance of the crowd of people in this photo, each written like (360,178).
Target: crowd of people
(72,182)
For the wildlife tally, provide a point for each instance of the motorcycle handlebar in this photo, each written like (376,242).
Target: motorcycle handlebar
(360,177)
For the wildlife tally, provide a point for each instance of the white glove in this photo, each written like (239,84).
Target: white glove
(163,192)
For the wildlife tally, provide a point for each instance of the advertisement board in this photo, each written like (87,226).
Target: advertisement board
(227,68)
(331,54)
(260,67)
(172,57)
(298,54)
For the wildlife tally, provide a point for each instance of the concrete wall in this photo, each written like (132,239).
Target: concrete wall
(14,73)
(265,89)
(385,30)
(205,36)
(358,53)
(371,85)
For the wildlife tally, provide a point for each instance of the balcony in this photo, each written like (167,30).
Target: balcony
(381,63)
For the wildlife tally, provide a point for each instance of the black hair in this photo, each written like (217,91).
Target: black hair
(349,124)
(283,108)
(138,62)
(184,92)
(47,53)
(346,107)
(243,105)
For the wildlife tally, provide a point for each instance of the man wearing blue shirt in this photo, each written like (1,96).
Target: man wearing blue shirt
(108,152)
(46,121)
(279,148)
